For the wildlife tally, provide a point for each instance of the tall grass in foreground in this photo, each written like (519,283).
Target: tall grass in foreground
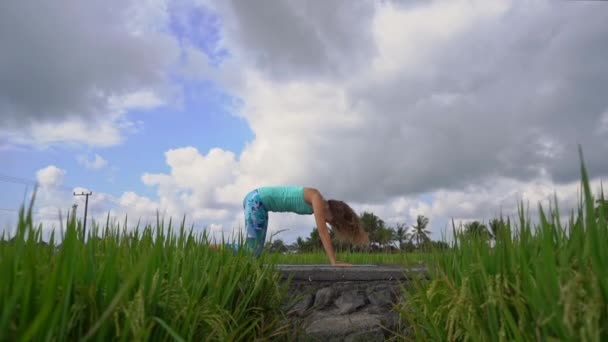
(150,284)
(541,283)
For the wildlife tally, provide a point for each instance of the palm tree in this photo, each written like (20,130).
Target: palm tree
(276,246)
(373,225)
(497,227)
(385,236)
(419,230)
(401,234)
(313,242)
(602,206)
(301,244)
(476,228)
(494,228)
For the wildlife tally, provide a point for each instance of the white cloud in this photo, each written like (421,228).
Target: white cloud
(74,131)
(146,16)
(453,100)
(196,65)
(193,181)
(50,176)
(137,208)
(144,99)
(429,111)
(102,131)
(408,38)
(602,127)
(84,68)
(96,163)
(448,109)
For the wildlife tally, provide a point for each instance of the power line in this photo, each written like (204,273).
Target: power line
(25,181)
(37,212)
(17,180)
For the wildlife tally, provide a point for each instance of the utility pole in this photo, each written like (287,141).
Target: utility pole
(74,206)
(86,206)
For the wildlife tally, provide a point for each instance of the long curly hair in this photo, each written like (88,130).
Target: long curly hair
(346,225)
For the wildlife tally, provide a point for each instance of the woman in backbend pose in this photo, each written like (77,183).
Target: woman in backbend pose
(304,201)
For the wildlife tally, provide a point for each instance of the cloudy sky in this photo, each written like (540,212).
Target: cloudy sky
(449,109)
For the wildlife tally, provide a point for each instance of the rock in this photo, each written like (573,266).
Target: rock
(327,327)
(327,303)
(302,305)
(323,297)
(366,336)
(388,318)
(390,321)
(381,297)
(349,302)
(373,309)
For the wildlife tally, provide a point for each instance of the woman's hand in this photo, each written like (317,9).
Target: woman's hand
(318,207)
(340,263)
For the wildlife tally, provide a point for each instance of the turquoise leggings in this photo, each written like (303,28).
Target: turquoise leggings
(256,222)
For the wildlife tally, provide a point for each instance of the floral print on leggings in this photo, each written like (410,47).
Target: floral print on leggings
(256,222)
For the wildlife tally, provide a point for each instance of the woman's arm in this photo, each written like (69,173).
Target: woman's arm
(318,206)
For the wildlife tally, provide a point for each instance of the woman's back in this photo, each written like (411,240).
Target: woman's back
(285,199)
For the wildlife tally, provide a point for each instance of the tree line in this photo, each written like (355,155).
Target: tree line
(410,238)
(382,237)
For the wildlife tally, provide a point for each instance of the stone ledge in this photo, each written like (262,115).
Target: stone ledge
(354,303)
(348,273)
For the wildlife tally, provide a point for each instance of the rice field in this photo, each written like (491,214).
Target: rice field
(544,282)
(547,282)
(156,284)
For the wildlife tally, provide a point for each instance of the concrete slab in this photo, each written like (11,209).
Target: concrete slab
(348,273)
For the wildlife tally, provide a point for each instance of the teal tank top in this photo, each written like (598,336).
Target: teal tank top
(285,199)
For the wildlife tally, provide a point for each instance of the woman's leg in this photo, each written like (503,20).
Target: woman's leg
(256,222)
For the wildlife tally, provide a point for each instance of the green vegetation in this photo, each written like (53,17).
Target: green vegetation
(543,282)
(320,258)
(504,281)
(151,284)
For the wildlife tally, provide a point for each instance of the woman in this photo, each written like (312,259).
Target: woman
(304,201)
